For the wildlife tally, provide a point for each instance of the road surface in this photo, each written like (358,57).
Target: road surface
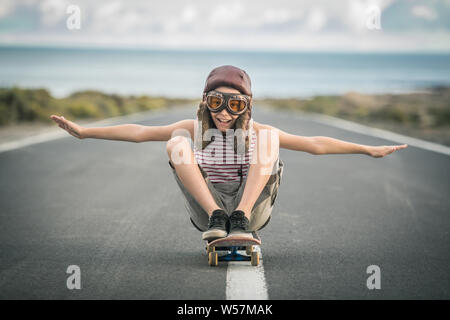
(113,209)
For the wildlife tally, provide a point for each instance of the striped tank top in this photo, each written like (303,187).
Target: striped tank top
(221,163)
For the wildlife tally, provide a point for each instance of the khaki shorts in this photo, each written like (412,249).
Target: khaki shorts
(228,195)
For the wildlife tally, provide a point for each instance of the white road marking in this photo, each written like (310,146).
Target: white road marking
(384,134)
(42,137)
(246,282)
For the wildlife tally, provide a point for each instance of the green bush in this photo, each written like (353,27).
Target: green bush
(441,117)
(83,109)
(416,110)
(424,110)
(18,105)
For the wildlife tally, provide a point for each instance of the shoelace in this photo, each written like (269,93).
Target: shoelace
(238,223)
(216,221)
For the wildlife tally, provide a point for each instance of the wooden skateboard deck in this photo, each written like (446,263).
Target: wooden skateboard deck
(232,244)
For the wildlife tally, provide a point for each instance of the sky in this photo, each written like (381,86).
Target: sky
(308,25)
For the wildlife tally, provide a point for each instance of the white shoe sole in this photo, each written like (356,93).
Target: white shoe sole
(214,234)
(248,235)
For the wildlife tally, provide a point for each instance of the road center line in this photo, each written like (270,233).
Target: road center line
(246,282)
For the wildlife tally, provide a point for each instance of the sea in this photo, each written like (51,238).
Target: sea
(182,73)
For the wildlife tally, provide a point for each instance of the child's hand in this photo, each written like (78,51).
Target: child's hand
(381,151)
(71,127)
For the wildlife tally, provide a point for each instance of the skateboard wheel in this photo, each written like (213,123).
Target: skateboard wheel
(213,259)
(249,250)
(255,258)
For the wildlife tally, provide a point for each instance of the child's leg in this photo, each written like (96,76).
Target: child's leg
(262,209)
(189,173)
(257,177)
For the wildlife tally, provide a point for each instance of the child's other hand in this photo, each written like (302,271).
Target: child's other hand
(71,127)
(381,151)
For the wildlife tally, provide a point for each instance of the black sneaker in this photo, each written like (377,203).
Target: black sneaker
(239,225)
(217,227)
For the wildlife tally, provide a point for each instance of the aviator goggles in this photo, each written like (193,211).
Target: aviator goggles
(235,103)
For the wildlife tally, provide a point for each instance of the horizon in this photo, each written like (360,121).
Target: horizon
(217,50)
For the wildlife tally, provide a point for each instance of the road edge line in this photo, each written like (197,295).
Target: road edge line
(58,133)
(369,131)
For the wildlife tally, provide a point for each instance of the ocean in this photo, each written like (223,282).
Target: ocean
(178,73)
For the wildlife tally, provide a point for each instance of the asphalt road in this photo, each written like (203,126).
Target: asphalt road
(113,209)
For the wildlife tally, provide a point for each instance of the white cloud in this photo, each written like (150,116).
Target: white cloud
(423,12)
(106,16)
(306,24)
(276,16)
(116,18)
(356,15)
(226,14)
(52,11)
(316,19)
(6,7)
(189,14)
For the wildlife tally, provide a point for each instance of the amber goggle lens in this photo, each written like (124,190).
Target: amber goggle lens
(236,105)
(214,102)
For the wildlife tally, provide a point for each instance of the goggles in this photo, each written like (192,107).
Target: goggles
(235,103)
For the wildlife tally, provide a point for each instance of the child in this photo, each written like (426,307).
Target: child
(230,178)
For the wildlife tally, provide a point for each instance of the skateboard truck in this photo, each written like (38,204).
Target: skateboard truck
(234,255)
(232,245)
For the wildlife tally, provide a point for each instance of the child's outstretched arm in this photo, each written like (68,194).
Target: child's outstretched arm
(123,132)
(325,145)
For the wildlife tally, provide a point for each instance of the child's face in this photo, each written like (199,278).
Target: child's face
(223,119)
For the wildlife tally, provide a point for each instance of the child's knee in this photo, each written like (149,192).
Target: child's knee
(177,143)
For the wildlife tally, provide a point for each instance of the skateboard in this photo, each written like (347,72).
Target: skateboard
(231,245)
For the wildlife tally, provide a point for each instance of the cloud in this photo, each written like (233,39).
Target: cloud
(52,11)
(226,15)
(307,24)
(316,19)
(188,14)
(275,16)
(6,7)
(424,12)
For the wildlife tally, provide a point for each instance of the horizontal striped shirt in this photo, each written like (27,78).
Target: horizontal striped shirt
(221,163)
